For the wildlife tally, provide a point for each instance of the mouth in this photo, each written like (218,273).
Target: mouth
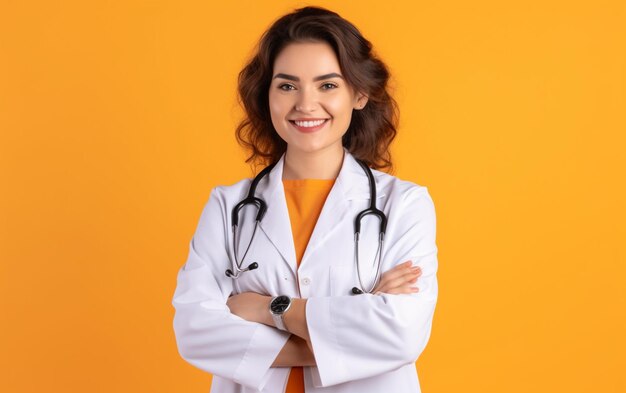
(308,125)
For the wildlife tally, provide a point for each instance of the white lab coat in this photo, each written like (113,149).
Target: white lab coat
(361,343)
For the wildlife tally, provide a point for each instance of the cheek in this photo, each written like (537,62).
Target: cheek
(339,107)
(278,113)
(273,103)
(279,105)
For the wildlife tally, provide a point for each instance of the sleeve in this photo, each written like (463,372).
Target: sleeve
(355,337)
(208,335)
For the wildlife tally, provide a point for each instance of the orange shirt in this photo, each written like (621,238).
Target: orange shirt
(305,199)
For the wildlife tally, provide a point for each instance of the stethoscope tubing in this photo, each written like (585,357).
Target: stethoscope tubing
(262,209)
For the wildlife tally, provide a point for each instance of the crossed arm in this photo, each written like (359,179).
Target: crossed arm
(298,351)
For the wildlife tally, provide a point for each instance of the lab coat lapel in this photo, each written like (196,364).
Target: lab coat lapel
(350,182)
(276,224)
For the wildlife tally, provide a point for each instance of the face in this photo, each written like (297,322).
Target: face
(310,103)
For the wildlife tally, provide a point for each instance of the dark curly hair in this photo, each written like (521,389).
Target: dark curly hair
(371,130)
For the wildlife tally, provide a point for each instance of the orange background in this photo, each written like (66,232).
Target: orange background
(117,118)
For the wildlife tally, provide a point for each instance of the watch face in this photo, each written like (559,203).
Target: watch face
(280,304)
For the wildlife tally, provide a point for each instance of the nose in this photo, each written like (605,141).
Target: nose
(307,101)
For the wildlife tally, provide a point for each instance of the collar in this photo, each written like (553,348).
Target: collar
(351,184)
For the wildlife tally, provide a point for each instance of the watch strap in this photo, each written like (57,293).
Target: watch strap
(278,321)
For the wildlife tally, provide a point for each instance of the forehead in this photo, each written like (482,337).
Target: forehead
(306,59)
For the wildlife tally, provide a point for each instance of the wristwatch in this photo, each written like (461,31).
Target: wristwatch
(278,307)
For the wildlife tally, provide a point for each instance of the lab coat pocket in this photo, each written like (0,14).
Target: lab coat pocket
(342,279)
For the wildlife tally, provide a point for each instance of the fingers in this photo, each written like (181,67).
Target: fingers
(404,288)
(399,279)
(401,274)
(401,290)
(407,277)
(399,271)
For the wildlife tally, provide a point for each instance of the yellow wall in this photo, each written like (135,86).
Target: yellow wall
(116,120)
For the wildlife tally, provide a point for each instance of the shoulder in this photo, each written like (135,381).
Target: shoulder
(409,207)
(399,189)
(222,198)
(406,202)
(224,193)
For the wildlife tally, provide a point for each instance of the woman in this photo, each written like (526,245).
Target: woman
(285,316)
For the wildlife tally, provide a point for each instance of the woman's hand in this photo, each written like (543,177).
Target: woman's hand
(399,279)
(296,353)
(250,306)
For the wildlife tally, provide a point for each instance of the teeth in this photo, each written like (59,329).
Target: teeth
(309,123)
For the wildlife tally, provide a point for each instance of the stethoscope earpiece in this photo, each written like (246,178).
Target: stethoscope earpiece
(356,291)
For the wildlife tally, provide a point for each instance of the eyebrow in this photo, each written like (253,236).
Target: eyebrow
(317,78)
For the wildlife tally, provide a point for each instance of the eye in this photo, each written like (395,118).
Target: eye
(329,86)
(286,87)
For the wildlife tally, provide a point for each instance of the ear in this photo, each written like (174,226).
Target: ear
(360,101)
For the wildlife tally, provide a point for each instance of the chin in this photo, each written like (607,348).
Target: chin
(306,149)
(310,148)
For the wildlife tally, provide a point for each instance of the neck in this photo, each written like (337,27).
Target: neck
(324,164)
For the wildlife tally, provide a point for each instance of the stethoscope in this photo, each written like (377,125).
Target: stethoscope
(262,209)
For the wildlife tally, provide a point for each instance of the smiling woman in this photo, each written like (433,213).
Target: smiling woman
(319,115)
(311,105)
(309,63)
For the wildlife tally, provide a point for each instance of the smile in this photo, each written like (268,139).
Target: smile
(308,125)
